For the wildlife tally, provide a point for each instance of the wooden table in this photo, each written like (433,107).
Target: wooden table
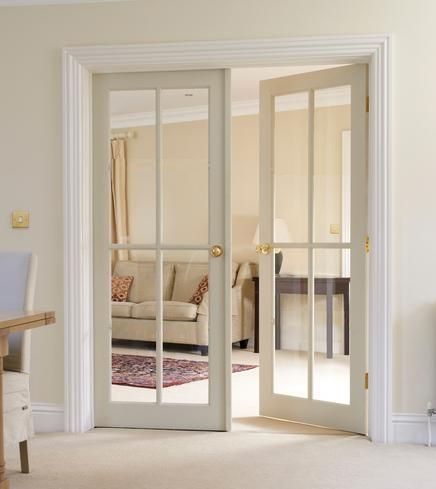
(291,284)
(10,323)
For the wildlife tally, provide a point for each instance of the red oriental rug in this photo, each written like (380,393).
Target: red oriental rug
(140,371)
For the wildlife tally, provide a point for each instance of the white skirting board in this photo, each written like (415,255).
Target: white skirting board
(412,428)
(48,418)
(406,428)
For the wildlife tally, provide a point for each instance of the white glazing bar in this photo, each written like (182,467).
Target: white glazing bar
(310,280)
(336,246)
(205,247)
(158,258)
(163,247)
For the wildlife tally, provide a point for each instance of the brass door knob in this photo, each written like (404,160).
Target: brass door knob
(216,251)
(264,249)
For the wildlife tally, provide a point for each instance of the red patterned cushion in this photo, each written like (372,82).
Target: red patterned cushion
(121,287)
(202,288)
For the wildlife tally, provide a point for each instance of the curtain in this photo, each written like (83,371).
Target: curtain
(119,197)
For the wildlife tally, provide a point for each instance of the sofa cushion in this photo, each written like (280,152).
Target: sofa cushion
(172,311)
(122,309)
(144,282)
(202,288)
(120,288)
(189,275)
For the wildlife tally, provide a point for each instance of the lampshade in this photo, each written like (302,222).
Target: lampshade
(281,232)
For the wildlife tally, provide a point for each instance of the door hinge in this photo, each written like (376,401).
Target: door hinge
(367,244)
(366,380)
(367,103)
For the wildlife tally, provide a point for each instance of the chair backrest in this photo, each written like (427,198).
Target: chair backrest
(17,290)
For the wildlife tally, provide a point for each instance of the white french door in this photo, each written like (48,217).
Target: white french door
(174,213)
(313,200)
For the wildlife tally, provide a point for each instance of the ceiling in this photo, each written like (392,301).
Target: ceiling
(245,87)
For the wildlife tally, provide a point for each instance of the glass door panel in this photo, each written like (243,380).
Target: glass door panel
(133,329)
(185,165)
(291,340)
(133,170)
(291,167)
(331,374)
(186,328)
(332,184)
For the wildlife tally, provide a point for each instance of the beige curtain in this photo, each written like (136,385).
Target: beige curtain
(119,197)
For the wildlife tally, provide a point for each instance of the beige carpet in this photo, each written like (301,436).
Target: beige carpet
(137,459)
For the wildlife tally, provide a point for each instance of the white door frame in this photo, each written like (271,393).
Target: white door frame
(79,63)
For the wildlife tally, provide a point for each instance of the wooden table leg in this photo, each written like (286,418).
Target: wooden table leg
(4,483)
(278,341)
(256,318)
(329,298)
(346,323)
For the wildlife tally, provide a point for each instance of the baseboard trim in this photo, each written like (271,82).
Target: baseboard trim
(48,418)
(412,428)
(406,428)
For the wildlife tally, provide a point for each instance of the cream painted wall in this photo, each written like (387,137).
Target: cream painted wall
(31,127)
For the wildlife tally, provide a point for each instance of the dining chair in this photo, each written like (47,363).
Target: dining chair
(17,289)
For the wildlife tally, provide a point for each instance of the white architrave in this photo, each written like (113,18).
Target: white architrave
(79,65)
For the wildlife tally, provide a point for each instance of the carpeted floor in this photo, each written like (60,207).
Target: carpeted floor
(137,459)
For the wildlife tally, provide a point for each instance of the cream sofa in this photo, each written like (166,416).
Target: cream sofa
(183,322)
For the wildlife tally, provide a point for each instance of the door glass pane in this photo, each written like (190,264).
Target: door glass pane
(186,327)
(332,184)
(185,165)
(291,167)
(133,327)
(292,325)
(331,375)
(133,168)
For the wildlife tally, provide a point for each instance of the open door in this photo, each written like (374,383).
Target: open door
(312,260)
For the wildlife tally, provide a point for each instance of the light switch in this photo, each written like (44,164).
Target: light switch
(334,229)
(20,219)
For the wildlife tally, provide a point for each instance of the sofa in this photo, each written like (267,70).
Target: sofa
(183,322)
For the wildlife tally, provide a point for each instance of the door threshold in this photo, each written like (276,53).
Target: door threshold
(263,424)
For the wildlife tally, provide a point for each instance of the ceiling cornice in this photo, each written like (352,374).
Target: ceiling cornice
(299,101)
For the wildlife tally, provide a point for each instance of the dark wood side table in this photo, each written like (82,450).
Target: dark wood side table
(291,284)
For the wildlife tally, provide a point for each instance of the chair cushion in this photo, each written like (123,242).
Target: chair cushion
(144,282)
(172,311)
(16,406)
(122,309)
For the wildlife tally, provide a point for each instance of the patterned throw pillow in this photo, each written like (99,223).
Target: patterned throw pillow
(202,288)
(121,287)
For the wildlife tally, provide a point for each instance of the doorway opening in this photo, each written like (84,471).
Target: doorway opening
(80,64)
(184,129)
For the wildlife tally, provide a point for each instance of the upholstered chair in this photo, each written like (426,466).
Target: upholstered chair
(17,287)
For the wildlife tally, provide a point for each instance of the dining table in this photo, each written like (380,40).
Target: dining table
(12,322)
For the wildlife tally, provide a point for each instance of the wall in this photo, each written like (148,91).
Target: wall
(31,131)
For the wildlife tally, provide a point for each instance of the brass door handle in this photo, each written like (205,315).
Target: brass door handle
(264,249)
(216,251)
